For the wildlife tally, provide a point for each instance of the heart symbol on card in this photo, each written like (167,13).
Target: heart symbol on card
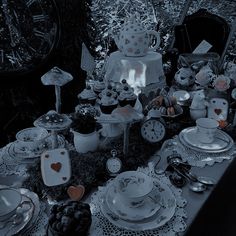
(76,192)
(218,111)
(56,166)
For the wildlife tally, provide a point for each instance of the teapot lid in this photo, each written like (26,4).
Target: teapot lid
(133,25)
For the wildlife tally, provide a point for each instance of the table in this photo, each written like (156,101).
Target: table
(196,202)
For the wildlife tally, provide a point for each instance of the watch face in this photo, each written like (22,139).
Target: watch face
(114,165)
(153,130)
(29,30)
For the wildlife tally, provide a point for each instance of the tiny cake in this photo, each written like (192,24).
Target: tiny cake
(99,86)
(127,97)
(72,218)
(108,103)
(87,96)
(109,89)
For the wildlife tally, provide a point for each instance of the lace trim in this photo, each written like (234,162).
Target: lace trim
(102,227)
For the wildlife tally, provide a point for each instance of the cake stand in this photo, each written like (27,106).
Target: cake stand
(124,116)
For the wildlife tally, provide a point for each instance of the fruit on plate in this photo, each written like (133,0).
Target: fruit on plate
(70,218)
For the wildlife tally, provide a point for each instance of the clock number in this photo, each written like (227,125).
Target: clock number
(39,33)
(30,2)
(38,18)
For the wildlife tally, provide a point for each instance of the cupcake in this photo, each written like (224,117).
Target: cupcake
(87,96)
(99,86)
(71,218)
(108,103)
(109,89)
(127,97)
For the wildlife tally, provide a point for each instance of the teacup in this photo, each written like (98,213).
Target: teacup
(30,139)
(10,199)
(133,187)
(206,129)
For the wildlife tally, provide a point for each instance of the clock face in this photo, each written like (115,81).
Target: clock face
(29,30)
(153,130)
(114,165)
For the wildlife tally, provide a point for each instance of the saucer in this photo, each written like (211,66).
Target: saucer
(161,217)
(18,152)
(122,209)
(222,142)
(11,229)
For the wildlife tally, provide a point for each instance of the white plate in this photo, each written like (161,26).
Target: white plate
(124,211)
(20,154)
(11,229)
(161,217)
(223,142)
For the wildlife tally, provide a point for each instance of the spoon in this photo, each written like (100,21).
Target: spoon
(194,185)
(197,187)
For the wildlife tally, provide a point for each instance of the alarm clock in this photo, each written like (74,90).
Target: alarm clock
(114,164)
(153,128)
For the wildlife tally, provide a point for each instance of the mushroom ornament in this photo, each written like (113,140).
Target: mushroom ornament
(54,122)
(58,78)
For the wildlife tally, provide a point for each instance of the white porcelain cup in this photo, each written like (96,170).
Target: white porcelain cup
(133,187)
(206,129)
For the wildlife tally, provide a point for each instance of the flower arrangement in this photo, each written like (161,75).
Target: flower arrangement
(84,119)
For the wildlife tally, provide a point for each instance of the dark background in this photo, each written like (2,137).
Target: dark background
(23,98)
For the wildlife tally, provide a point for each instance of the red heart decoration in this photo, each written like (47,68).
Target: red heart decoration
(218,111)
(76,192)
(56,166)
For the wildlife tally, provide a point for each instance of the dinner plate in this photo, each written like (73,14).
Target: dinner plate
(222,142)
(161,217)
(10,229)
(20,154)
(149,207)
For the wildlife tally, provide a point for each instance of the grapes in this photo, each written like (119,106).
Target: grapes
(70,218)
(68,211)
(59,215)
(78,215)
(65,220)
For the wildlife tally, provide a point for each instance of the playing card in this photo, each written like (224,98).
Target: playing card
(218,109)
(55,167)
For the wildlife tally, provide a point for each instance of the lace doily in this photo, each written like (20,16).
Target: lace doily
(102,227)
(195,158)
(10,166)
(39,228)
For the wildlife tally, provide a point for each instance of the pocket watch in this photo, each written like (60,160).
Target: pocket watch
(114,164)
(29,31)
(153,128)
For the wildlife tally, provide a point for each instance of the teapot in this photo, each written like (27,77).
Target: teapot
(134,40)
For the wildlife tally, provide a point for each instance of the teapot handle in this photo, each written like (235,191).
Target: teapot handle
(158,40)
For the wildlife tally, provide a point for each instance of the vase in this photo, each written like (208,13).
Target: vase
(85,142)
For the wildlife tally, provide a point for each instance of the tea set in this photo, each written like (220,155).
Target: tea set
(19,208)
(134,198)
(206,137)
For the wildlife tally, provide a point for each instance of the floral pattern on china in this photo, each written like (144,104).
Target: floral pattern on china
(134,40)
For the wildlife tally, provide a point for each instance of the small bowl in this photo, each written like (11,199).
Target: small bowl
(31,134)
(133,187)
(9,201)
(181,96)
(29,138)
